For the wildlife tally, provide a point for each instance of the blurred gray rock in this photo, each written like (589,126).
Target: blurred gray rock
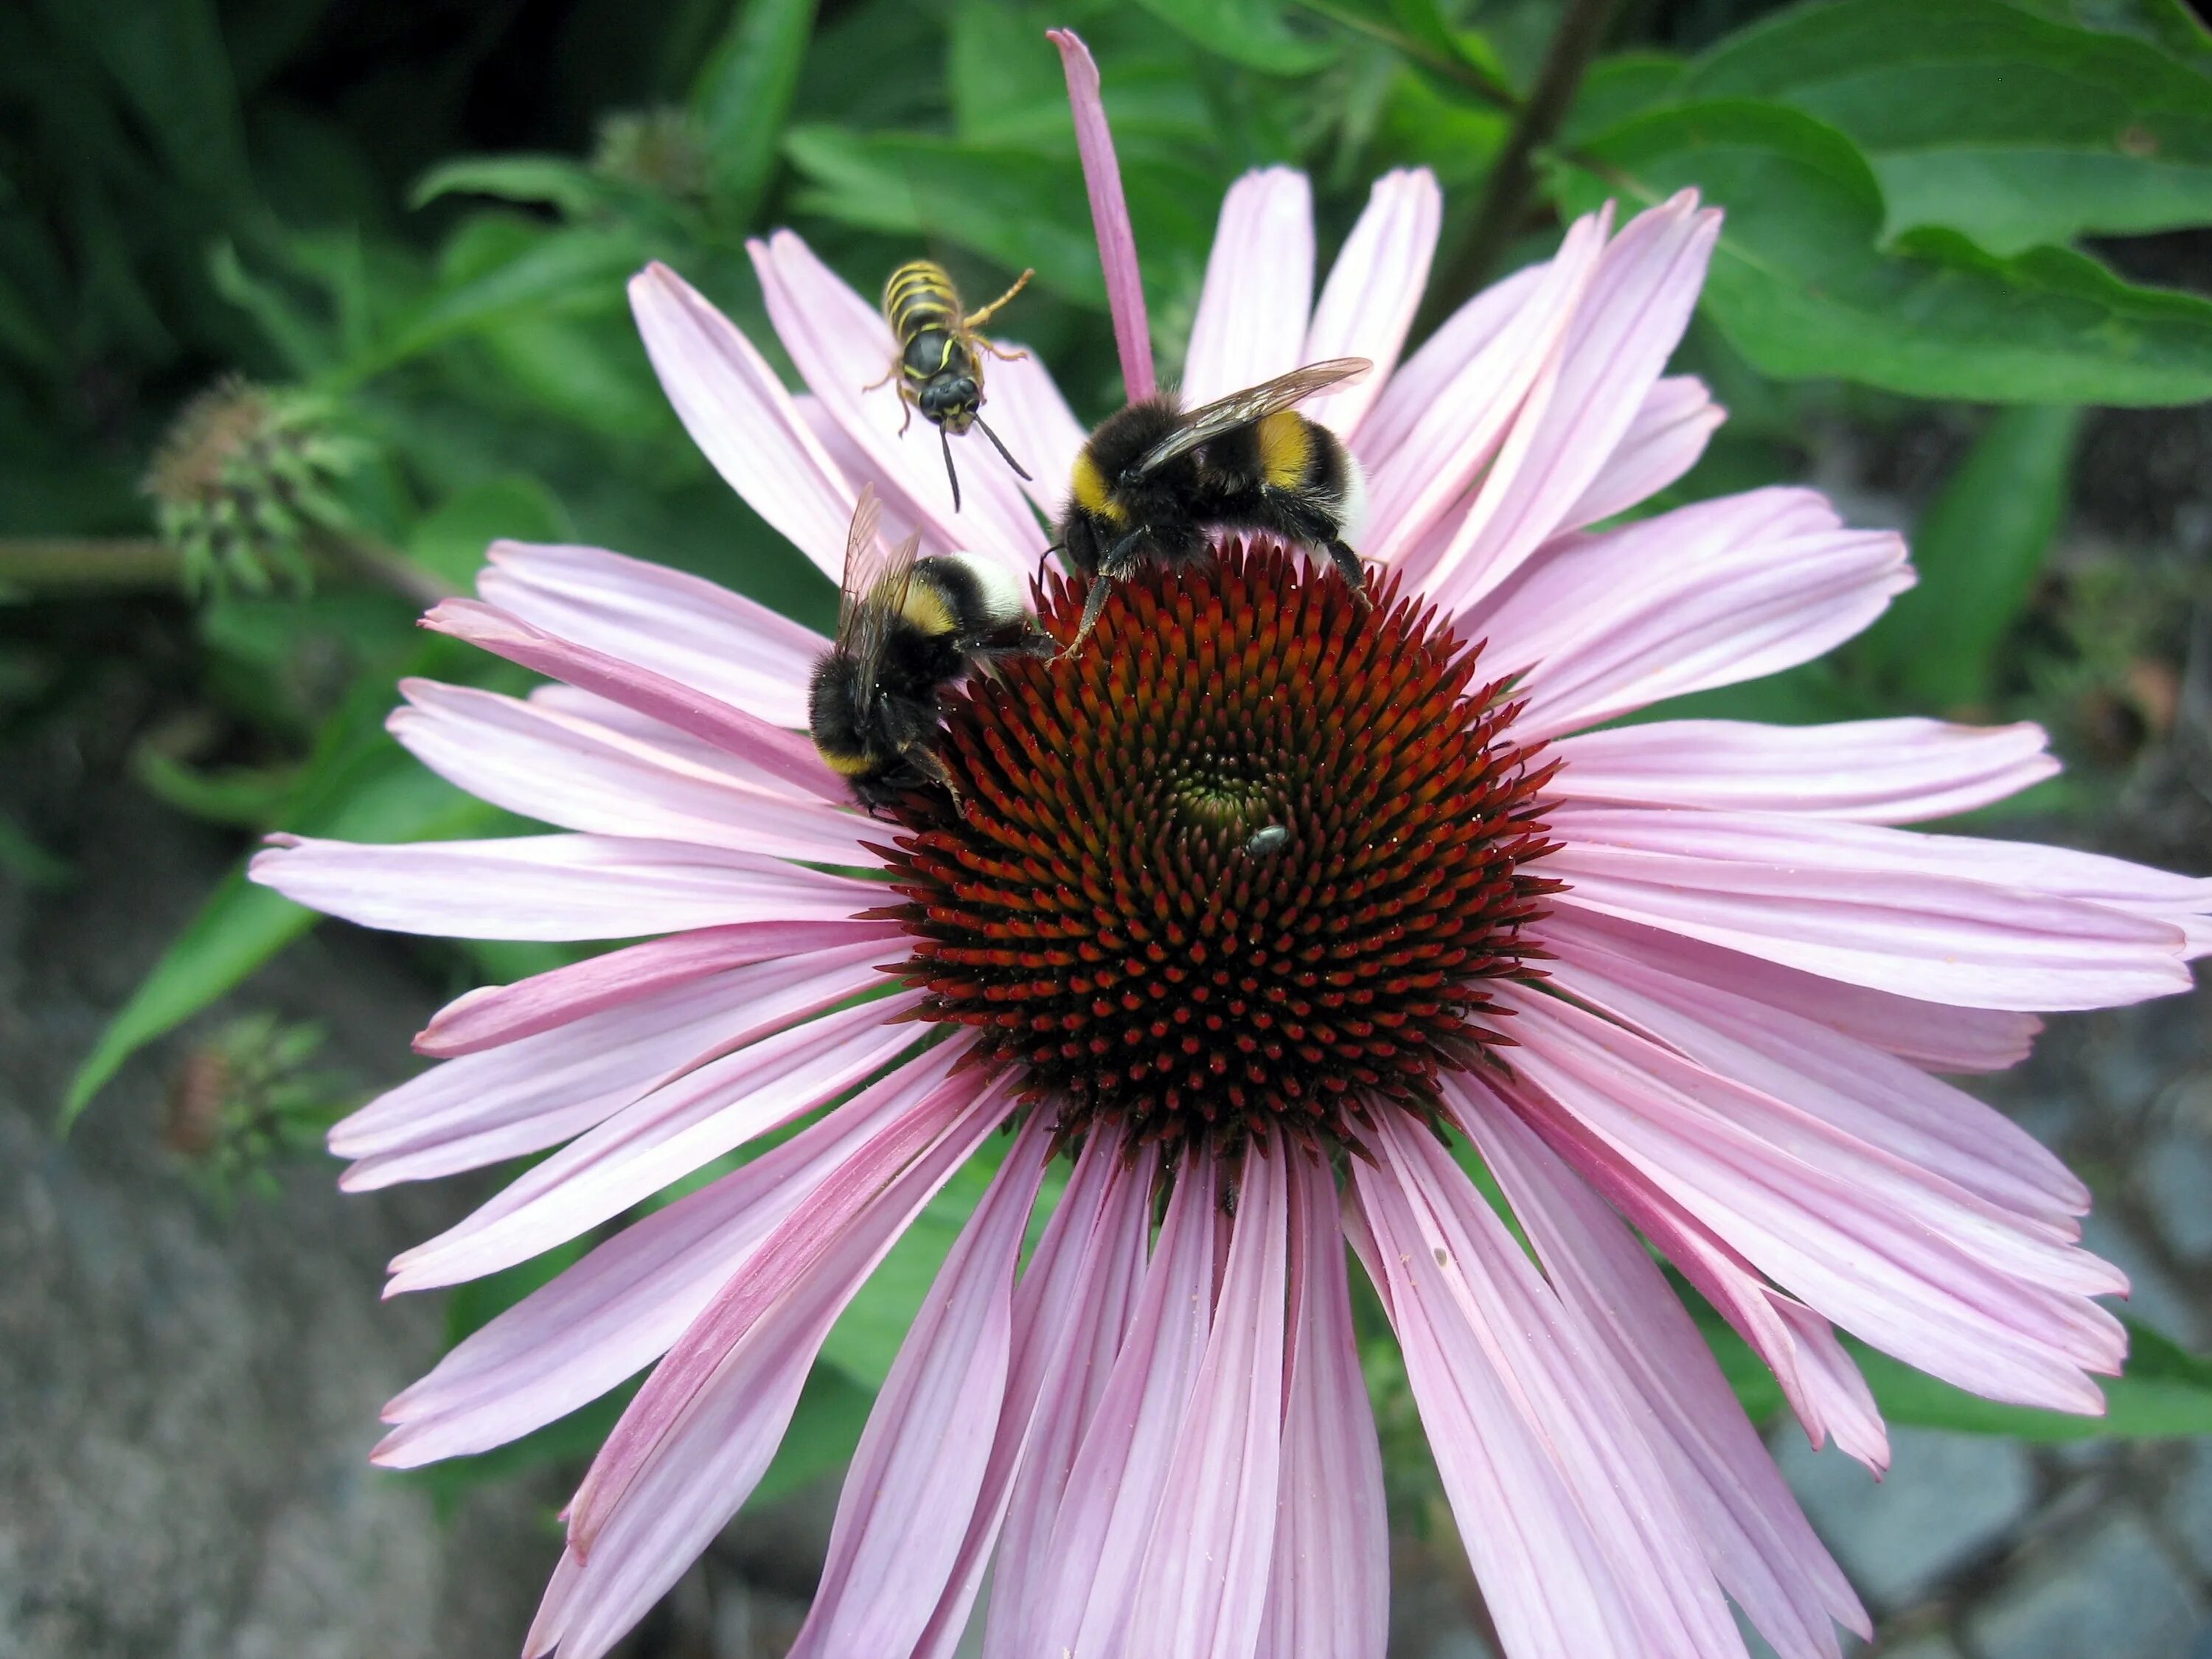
(2153,1295)
(189,1400)
(2113,1594)
(2176,1180)
(2189,1506)
(1948,1499)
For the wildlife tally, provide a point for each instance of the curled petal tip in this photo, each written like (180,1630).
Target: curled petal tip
(1109,213)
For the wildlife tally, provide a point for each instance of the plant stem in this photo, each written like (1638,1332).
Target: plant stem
(1513,177)
(44,565)
(67,564)
(1455,69)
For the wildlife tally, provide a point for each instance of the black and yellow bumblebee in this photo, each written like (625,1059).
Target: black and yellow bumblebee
(1154,478)
(939,366)
(907,627)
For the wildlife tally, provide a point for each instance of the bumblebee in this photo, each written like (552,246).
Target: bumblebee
(1154,478)
(906,628)
(939,366)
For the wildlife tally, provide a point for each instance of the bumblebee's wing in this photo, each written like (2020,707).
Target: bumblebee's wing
(874,588)
(1252,404)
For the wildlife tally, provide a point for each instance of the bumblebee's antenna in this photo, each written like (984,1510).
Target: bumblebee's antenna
(949,472)
(1001,448)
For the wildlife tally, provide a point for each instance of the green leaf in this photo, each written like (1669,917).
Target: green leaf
(168,60)
(1247,32)
(1978,548)
(1798,285)
(553,180)
(2166,1393)
(2013,129)
(243,926)
(743,97)
(867,1334)
(1013,204)
(450,541)
(563,268)
(24,858)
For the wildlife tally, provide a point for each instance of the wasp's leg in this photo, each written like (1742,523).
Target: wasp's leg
(999,351)
(976,320)
(889,375)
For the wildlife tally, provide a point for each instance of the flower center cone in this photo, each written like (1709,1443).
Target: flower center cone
(1250,855)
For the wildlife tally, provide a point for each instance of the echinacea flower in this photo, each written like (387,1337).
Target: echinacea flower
(1685,978)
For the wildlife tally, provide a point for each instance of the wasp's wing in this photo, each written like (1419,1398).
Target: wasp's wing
(874,588)
(1252,404)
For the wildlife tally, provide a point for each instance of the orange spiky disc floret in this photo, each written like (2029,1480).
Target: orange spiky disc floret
(1251,853)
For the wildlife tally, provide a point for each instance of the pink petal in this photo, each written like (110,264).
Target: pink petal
(1663,441)
(1329,1594)
(1822,1385)
(666,1135)
(683,627)
(1571,1399)
(738,412)
(1861,1090)
(1706,595)
(1202,1593)
(1617,1303)
(494,1014)
(842,345)
(622,1306)
(564,770)
(1625,327)
(687,1468)
(541,1091)
(2183,903)
(1373,291)
(1404,399)
(1886,908)
(1109,216)
(1893,771)
(550,887)
(958,1114)
(1071,1314)
(781,758)
(920,1467)
(1549,1584)
(1851,1254)
(1415,476)
(1251,321)
(1930,1034)
(1028,412)
(1790,1109)
(1113,1488)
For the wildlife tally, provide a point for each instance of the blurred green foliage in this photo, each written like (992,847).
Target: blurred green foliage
(412,226)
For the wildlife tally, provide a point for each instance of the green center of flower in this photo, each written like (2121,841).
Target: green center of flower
(1251,853)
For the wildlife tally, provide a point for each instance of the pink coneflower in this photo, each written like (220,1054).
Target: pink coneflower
(1260,905)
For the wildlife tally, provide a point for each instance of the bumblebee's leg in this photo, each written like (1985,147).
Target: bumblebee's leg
(925,761)
(1101,586)
(1347,563)
(976,320)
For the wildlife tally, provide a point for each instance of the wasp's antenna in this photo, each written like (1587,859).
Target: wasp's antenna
(1001,448)
(949,472)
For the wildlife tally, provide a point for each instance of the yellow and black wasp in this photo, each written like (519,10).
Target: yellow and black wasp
(939,366)
(1154,478)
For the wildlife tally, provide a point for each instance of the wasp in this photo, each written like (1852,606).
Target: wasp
(939,366)
(906,627)
(1154,477)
